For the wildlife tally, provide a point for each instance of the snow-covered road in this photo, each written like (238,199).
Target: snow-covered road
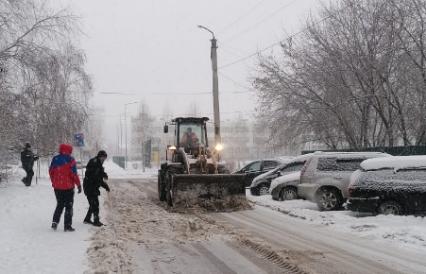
(151,239)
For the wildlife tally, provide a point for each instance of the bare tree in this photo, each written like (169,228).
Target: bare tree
(353,79)
(44,89)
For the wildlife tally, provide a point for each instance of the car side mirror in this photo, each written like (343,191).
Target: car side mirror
(166,128)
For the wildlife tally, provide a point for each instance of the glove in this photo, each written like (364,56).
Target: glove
(79,189)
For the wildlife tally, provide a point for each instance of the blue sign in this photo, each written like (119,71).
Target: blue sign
(79,140)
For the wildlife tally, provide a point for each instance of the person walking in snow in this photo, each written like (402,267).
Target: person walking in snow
(27,159)
(63,174)
(95,178)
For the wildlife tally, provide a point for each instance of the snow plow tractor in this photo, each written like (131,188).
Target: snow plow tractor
(193,174)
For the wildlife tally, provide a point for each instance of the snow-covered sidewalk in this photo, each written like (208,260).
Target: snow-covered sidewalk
(405,231)
(27,243)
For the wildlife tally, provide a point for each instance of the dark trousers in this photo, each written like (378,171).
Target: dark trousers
(30,173)
(64,199)
(93,208)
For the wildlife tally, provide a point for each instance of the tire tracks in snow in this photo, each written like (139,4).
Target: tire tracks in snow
(262,251)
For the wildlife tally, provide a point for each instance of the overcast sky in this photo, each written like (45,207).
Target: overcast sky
(153,48)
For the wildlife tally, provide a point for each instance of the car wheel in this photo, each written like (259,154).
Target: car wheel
(263,190)
(288,193)
(390,208)
(329,199)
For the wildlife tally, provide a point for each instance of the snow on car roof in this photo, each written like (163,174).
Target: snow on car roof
(395,162)
(284,159)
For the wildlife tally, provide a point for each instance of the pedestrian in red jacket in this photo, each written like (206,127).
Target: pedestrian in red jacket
(63,174)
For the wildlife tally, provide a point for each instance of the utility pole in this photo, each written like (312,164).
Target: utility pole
(216,111)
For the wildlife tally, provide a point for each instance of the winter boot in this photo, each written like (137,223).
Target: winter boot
(69,228)
(54,226)
(97,223)
(88,221)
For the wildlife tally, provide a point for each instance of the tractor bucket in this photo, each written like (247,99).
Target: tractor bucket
(218,192)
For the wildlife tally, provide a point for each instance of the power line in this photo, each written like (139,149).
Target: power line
(274,44)
(249,89)
(266,18)
(242,16)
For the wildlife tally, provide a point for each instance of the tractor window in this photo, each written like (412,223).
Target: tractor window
(191,134)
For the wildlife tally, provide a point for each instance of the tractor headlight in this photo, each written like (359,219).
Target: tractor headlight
(219,147)
(172,148)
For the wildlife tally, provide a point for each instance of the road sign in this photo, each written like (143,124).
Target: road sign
(79,140)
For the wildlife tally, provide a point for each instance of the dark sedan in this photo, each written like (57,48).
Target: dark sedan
(256,168)
(397,186)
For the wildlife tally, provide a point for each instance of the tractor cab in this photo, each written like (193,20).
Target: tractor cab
(190,133)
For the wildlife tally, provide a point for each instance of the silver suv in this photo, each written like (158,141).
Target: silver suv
(325,177)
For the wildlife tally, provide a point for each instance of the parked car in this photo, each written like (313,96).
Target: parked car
(325,177)
(395,185)
(256,168)
(284,186)
(260,184)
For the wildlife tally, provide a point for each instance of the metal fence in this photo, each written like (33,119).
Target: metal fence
(395,151)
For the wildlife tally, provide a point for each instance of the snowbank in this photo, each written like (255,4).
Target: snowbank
(405,231)
(28,245)
(395,162)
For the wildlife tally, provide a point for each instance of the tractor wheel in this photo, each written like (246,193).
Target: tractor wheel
(169,198)
(161,190)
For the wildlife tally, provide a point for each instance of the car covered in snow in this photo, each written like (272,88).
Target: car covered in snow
(256,168)
(284,186)
(325,177)
(395,185)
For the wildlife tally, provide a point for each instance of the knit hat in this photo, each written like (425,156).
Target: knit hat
(102,153)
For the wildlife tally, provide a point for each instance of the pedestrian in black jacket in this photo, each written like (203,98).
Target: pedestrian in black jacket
(94,178)
(27,160)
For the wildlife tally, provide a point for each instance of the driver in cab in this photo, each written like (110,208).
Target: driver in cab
(189,139)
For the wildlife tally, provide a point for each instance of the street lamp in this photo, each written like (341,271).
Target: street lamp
(213,57)
(125,128)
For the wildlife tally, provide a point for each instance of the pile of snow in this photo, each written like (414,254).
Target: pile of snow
(396,162)
(405,231)
(28,244)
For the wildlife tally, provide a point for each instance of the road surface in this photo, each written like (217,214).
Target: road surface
(143,236)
